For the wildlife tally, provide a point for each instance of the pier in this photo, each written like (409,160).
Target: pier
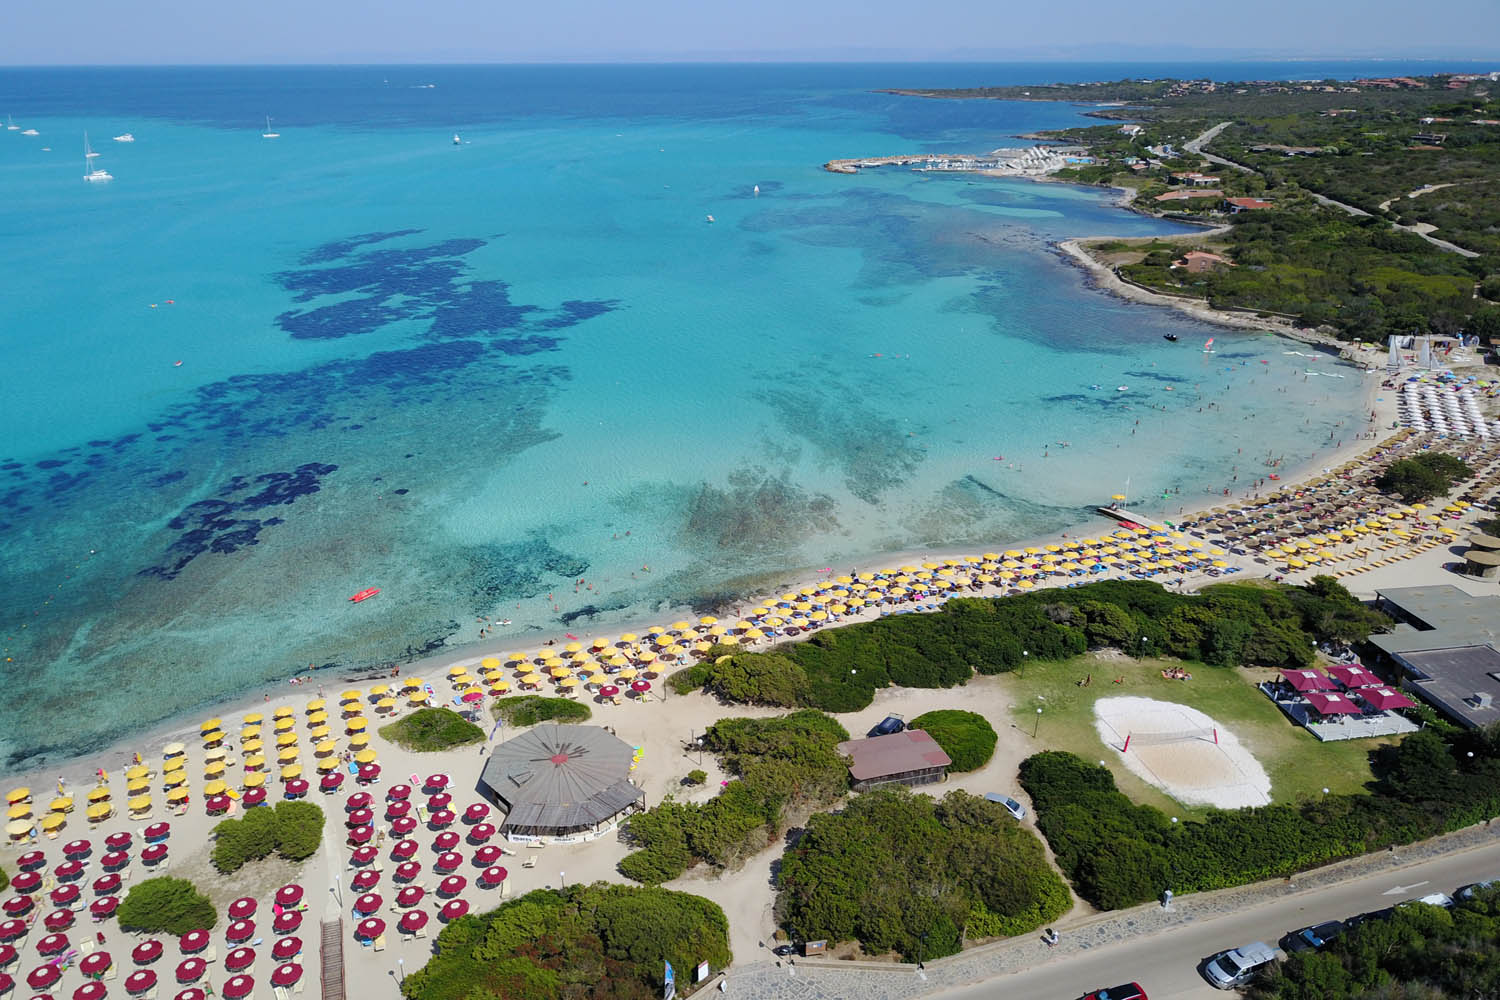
(1121,514)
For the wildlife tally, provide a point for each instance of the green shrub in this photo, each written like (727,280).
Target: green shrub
(292,829)
(688,679)
(166,906)
(4,880)
(1421,478)
(966,737)
(599,941)
(431,729)
(694,777)
(530,709)
(901,872)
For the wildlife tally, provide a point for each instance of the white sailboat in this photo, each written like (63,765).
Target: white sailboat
(90,172)
(11,126)
(268,134)
(456,140)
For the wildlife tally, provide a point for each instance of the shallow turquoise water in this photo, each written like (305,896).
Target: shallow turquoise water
(474,375)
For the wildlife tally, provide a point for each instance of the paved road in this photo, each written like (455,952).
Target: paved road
(1166,965)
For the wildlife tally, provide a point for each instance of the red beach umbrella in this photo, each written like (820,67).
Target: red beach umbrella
(191,993)
(153,853)
(8,954)
(640,686)
(17,905)
(476,812)
(104,907)
(64,895)
(11,929)
(118,841)
(359,817)
(410,896)
(480,833)
(95,963)
(113,861)
(452,885)
(440,819)
(287,921)
(190,970)
(331,781)
(609,691)
(240,930)
(58,920)
(436,782)
(289,895)
(253,797)
(408,870)
(403,825)
(368,772)
(238,987)
(396,792)
(77,848)
(216,804)
(242,908)
(364,855)
(286,949)
(146,952)
(157,831)
(359,800)
(286,974)
(448,862)
(364,880)
(43,976)
(90,991)
(492,876)
(140,981)
(487,855)
(403,850)
(240,959)
(194,941)
(368,903)
(445,841)
(439,800)
(397,809)
(69,869)
(370,927)
(26,882)
(106,885)
(413,921)
(7,983)
(31,861)
(361,834)
(453,909)
(52,944)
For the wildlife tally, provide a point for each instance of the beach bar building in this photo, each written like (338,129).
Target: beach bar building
(1447,647)
(561,781)
(906,758)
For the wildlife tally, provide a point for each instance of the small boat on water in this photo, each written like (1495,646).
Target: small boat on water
(365,595)
(710,218)
(11,126)
(456,140)
(268,134)
(92,173)
(126,137)
(1169,336)
(31,131)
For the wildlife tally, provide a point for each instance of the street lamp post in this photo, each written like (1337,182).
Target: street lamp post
(562,877)
(1024,655)
(401,963)
(1037,725)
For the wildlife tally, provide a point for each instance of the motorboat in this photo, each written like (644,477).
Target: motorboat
(1169,336)
(456,140)
(365,595)
(126,137)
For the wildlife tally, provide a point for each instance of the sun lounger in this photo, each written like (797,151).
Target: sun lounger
(380,943)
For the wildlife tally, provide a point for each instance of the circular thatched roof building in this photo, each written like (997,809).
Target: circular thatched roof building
(555,781)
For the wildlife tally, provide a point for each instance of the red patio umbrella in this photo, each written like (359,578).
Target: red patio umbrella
(440,819)
(1384,698)
(481,832)
(240,959)
(370,927)
(286,949)
(403,849)
(492,876)
(1354,676)
(476,812)
(7,983)
(118,841)
(359,817)
(106,885)
(452,885)
(640,686)
(146,952)
(31,860)
(487,855)
(439,800)
(153,853)
(58,920)
(368,903)
(194,941)
(69,869)
(242,908)
(289,895)
(191,993)
(190,970)
(295,787)
(408,870)
(397,809)
(410,896)
(287,921)
(216,804)
(237,987)
(64,895)
(396,792)
(609,691)
(43,976)
(26,882)
(11,929)
(286,974)
(114,860)
(364,855)
(254,796)
(369,772)
(90,991)
(436,782)
(52,944)
(8,954)
(403,825)
(448,862)
(1308,680)
(445,841)
(104,907)
(361,834)
(413,921)
(77,848)
(95,963)
(331,781)
(140,981)
(453,909)
(472,696)
(1327,703)
(240,930)
(17,905)
(156,831)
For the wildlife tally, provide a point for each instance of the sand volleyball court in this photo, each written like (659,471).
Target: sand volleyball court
(1182,751)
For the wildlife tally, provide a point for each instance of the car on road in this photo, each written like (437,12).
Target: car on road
(1011,805)
(888,725)
(783,950)
(1361,919)
(1432,899)
(1312,938)
(1130,991)
(1237,966)
(1468,892)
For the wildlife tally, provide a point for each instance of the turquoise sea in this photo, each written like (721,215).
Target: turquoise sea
(249,377)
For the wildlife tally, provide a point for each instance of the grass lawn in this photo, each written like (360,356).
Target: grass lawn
(1298,765)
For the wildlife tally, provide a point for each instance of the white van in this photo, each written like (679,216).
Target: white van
(1229,969)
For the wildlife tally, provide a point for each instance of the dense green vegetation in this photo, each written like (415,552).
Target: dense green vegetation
(4,880)
(291,829)
(966,737)
(1226,625)
(1421,478)
(166,905)
(901,872)
(781,766)
(601,941)
(1419,951)
(529,709)
(1118,853)
(431,729)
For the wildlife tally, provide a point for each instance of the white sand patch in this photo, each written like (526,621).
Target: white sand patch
(1173,747)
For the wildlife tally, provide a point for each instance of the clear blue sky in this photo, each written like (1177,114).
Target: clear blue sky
(292,31)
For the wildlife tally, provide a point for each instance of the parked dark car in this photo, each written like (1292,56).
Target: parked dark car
(1467,892)
(1130,991)
(783,950)
(888,725)
(1312,938)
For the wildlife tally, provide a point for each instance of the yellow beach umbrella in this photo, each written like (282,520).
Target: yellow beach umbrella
(385,704)
(251,746)
(320,732)
(455,670)
(255,762)
(285,725)
(291,771)
(18,794)
(139,804)
(317,718)
(489,662)
(136,772)
(328,764)
(216,736)
(568,682)
(417,697)
(316,705)
(380,690)
(326,747)
(177,794)
(286,740)
(20,810)
(356,724)
(502,686)
(172,778)
(366,756)
(249,733)
(53,821)
(282,712)
(213,768)
(99,811)
(215,787)
(359,739)
(353,695)
(254,719)
(98,794)
(532,678)
(62,804)
(287,755)
(211,725)
(255,779)
(411,683)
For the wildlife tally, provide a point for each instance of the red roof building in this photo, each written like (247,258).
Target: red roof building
(910,757)
(1238,205)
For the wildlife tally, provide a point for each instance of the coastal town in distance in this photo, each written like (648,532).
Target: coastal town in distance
(1235,730)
